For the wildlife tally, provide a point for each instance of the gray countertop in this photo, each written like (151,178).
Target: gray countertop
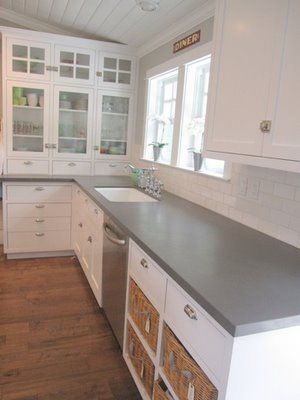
(245,280)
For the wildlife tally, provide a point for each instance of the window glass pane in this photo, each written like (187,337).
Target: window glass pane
(124,78)
(82,59)
(19,51)
(110,63)
(19,66)
(82,73)
(125,65)
(66,57)
(162,92)
(109,76)
(37,53)
(194,109)
(65,71)
(37,68)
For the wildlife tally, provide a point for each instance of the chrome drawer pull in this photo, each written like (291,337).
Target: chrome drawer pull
(39,188)
(112,165)
(39,220)
(190,312)
(96,211)
(39,234)
(90,239)
(80,225)
(27,162)
(40,206)
(72,164)
(144,263)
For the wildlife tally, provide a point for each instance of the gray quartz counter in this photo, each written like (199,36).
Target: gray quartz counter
(245,280)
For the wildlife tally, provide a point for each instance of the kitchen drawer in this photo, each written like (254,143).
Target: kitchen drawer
(38,241)
(190,323)
(38,224)
(110,168)
(71,168)
(27,167)
(39,210)
(149,277)
(38,193)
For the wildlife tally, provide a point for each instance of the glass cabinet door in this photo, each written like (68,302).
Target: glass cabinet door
(113,124)
(74,119)
(74,64)
(28,118)
(116,71)
(28,59)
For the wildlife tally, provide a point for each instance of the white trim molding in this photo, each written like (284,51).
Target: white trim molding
(201,14)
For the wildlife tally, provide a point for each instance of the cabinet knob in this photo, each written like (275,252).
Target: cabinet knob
(90,239)
(265,126)
(72,164)
(27,163)
(39,234)
(40,206)
(190,312)
(144,263)
(96,211)
(39,188)
(80,225)
(39,220)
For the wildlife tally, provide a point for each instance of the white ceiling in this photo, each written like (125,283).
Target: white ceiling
(116,20)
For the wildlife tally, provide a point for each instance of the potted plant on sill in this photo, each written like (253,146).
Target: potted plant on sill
(198,158)
(157,146)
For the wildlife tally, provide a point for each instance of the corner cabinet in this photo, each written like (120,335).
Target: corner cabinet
(255,91)
(67,109)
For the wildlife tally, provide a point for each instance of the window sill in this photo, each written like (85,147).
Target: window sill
(224,177)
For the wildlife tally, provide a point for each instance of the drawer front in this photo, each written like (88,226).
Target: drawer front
(150,279)
(110,168)
(71,168)
(39,210)
(27,167)
(189,322)
(38,224)
(38,193)
(38,241)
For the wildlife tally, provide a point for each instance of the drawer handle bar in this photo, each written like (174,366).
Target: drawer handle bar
(39,234)
(72,164)
(144,263)
(80,224)
(39,188)
(40,206)
(112,236)
(27,162)
(190,312)
(39,220)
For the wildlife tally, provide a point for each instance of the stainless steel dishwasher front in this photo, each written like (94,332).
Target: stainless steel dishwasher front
(115,254)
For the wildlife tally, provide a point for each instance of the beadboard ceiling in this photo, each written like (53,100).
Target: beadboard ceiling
(115,20)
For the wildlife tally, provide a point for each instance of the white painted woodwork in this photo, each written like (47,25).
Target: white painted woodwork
(109,168)
(18,242)
(38,224)
(38,193)
(71,168)
(38,210)
(27,166)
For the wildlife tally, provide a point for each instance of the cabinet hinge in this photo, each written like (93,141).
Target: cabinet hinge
(99,74)
(265,126)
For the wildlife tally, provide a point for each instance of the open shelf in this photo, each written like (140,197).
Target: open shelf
(150,352)
(72,110)
(113,140)
(28,107)
(28,136)
(117,114)
(71,138)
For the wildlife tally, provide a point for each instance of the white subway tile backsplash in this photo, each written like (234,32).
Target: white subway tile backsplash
(264,199)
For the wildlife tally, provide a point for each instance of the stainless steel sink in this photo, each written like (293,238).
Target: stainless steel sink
(125,195)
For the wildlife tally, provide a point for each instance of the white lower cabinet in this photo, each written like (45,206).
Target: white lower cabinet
(87,239)
(71,168)
(27,166)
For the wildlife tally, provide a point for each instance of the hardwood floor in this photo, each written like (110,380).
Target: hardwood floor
(55,342)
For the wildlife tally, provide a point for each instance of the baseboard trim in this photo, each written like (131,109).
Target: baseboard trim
(42,254)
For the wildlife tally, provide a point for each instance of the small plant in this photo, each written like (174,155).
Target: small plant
(158,144)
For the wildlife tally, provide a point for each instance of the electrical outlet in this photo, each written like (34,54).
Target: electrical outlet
(242,186)
(253,188)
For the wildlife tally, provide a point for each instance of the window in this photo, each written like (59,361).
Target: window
(161,114)
(181,128)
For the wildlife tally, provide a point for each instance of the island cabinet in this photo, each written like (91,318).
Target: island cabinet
(175,350)
(67,109)
(254,90)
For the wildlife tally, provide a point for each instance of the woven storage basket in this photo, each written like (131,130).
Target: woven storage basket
(182,371)
(140,360)
(143,314)
(160,391)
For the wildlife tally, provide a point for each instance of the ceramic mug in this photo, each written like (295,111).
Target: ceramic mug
(32,99)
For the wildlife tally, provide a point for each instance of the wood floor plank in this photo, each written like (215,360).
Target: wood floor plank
(55,343)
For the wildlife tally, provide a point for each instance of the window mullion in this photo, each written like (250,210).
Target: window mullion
(178,115)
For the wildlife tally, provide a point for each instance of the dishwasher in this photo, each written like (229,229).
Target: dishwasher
(114,276)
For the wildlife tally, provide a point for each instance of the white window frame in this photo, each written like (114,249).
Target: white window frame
(178,62)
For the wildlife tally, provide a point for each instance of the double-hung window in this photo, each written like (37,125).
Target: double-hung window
(175,117)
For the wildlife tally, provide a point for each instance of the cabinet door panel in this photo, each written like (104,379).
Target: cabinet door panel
(247,34)
(116,71)
(284,140)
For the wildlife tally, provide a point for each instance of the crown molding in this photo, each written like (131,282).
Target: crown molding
(199,15)
(35,24)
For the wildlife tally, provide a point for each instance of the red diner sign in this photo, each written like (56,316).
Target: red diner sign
(186,42)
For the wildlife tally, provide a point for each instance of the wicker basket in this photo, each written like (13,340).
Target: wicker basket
(183,373)
(161,391)
(143,314)
(140,360)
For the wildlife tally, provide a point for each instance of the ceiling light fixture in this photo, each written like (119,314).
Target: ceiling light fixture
(147,5)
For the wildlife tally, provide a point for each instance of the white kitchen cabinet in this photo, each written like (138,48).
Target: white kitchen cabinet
(28,59)
(116,71)
(254,82)
(28,119)
(73,122)
(114,124)
(74,65)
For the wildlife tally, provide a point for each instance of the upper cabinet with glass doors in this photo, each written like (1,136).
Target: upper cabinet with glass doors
(28,60)
(27,119)
(74,65)
(73,122)
(115,71)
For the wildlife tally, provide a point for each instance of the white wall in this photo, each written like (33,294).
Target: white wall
(274,208)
